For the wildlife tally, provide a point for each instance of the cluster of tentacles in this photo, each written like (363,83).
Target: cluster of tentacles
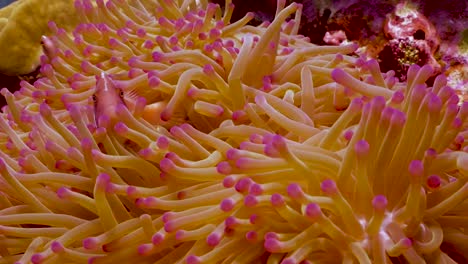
(162,133)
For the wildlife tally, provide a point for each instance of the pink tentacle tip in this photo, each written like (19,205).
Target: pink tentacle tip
(243,185)
(313,211)
(295,191)
(50,145)
(231,222)
(419,91)
(167,165)
(146,153)
(228,181)
(193,92)
(356,104)
(279,143)
(260,100)
(239,116)
(362,148)
(213,239)
(378,102)
(176,131)
(398,97)
(121,128)
(254,219)
(267,138)
(170,227)
(243,163)
(74,110)
(38,95)
(172,156)
(173,40)
(44,109)
(271,151)
(157,56)
(271,235)
(192,259)
(250,200)
(132,192)
(233,154)
(145,249)
(406,242)
(227,204)
(456,123)
(47,70)
(208,69)
(272,245)
(167,217)
(57,247)
(37,258)
(366,110)
(338,75)
(180,234)
(86,144)
(218,44)
(187,128)
(252,236)
(148,44)
(329,187)
(90,243)
(224,168)
(52,25)
(379,202)
(244,145)
(63,193)
(414,68)
(102,180)
(141,33)
(387,113)
(157,238)
(416,168)
(256,189)
(151,202)
(348,134)
(398,118)
(133,62)
(162,142)
(214,33)
(277,200)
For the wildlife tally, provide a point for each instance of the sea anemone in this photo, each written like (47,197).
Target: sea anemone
(162,133)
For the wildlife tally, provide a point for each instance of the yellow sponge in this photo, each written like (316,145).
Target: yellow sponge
(22,24)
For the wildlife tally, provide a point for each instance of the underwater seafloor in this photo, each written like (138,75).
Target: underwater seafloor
(180,131)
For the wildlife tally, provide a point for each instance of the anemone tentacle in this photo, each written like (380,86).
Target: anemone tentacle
(162,133)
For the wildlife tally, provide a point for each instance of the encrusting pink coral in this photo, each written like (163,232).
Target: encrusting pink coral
(161,133)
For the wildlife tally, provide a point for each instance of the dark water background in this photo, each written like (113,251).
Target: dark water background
(4,3)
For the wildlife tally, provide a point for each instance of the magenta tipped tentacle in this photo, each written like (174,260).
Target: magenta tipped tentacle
(161,132)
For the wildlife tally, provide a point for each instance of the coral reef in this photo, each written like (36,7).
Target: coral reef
(397,33)
(160,132)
